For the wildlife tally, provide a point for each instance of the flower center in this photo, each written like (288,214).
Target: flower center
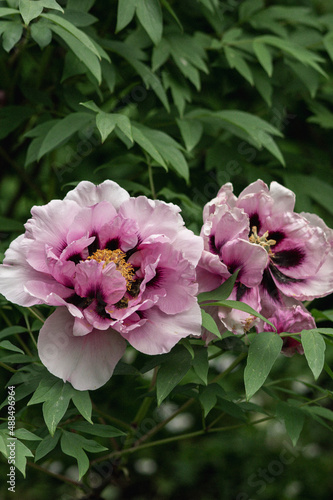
(261,240)
(118,257)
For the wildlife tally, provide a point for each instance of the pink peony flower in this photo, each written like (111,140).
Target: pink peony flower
(117,268)
(292,318)
(279,252)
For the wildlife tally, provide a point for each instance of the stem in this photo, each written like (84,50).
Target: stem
(151,181)
(114,420)
(37,314)
(179,438)
(160,426)
(230,368)
(65,479)
(7,367)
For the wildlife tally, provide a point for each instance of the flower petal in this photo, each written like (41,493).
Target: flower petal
(250,258)
(88,361)
(15,273)
(87,194)
(162,331)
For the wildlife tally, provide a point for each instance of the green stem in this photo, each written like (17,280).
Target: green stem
(37,314)
(151,181)
(233,365)
(9,368)
(114,420)
(60,477)
(172,439)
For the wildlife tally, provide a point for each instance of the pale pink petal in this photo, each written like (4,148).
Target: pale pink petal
(87,194)
(15,273)
(153,217)
(255,187)
(49,227)
(236,321)
(120,233)
(88,361)
(162,331)
(224,196)
(284,199)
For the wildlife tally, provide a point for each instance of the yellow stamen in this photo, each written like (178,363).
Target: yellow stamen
(118,257)
(261,240)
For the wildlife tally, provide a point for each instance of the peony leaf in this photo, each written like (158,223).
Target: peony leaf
(314,349)
(263,352)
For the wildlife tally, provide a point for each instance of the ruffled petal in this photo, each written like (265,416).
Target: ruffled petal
(236,321)
(162,331)
(284,198)
(87,194)
(88,361)
(153,217)
(211,272)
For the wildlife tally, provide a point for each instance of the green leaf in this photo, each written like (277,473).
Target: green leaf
(149,13)
(328,44)
(294,50)
(82,401)
(97,429)
(89,58)
(74,444)
(30,9)
(11,35)
(125,13)
(106,123)
(220,293)
(209,324)
(4,11)
(314,349)
(200,362)
(41,33)
(264,56)
(166,147)
(5,344)
(171,373)
(140,137)
(12,330)
(21,454)
(55,409)
(208,397)
(26,435)
(293,419)
(63,130)
(191,131)
(75,32)
(48,444)
(52,4)
(320,411)
(235,60)
(263,352)
(230,408)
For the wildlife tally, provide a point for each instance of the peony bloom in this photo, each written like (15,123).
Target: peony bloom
(116,267)
(296,250)
(292,318)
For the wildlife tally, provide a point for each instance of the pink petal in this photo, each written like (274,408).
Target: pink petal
(90,220)
(211,272)
(49,227)
(224,196)
(87,362)
(162,331)
(252,259)
(87,194)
